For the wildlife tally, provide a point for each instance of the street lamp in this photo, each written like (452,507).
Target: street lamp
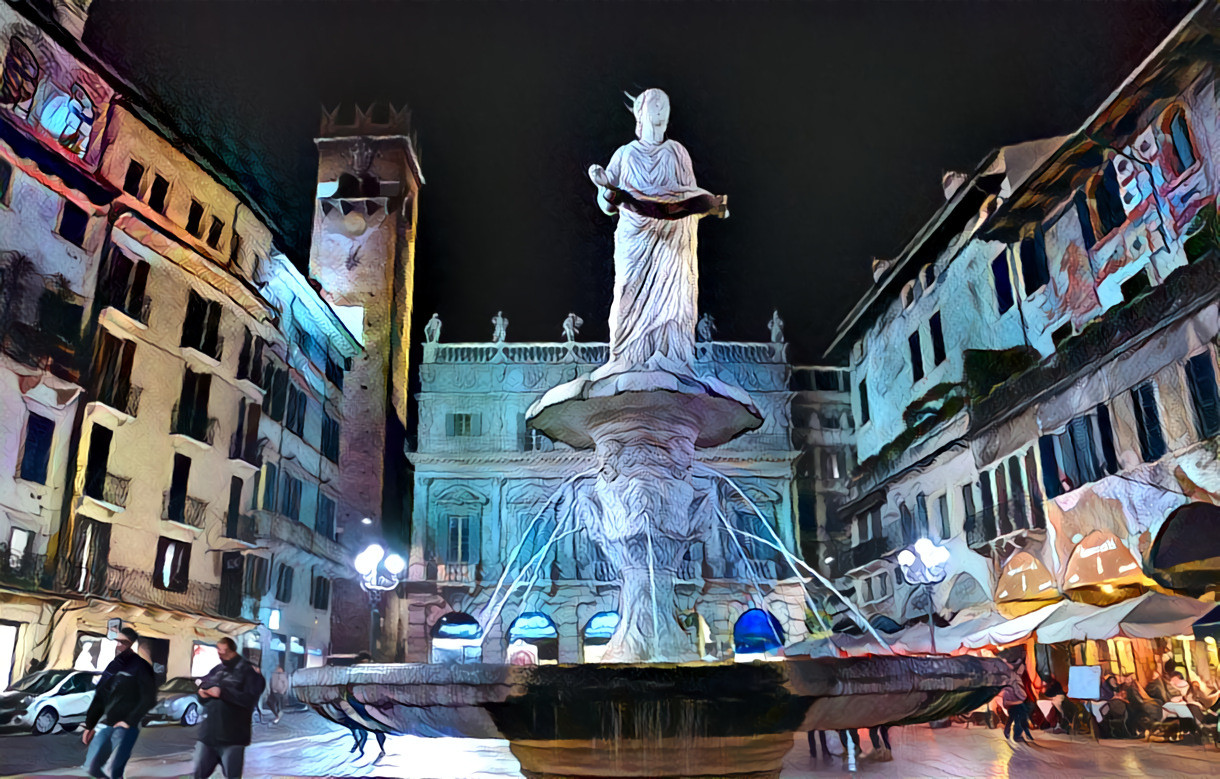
(925,565)
(378,573)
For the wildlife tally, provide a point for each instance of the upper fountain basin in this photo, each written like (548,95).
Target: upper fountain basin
(718,410)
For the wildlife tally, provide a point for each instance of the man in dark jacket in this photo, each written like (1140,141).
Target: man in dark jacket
(126,692)
(230,692)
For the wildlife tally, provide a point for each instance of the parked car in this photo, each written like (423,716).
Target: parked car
(177,701)
(45,699)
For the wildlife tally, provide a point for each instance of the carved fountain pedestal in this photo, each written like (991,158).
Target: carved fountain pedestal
(643,510)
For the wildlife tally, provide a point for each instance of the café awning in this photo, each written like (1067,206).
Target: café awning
(1151,615)
(1208,626)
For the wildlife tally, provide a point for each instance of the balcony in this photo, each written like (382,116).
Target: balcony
(136,587)
(243,448)
(456,572)
(22,570)
(134,310)
(210,349)
(194,425)
(867,552)
(123,398)
(241,527)
(184,510)
(107,488)
(270,525)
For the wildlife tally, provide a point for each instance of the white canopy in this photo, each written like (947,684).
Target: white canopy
(1011,630)
(1151,615)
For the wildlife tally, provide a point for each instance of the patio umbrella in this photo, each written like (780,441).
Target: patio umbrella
(1186,552)
(1208,625)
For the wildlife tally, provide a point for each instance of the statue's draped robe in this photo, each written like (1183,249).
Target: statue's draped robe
(656,275)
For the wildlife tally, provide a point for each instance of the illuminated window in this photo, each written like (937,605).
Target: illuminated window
(173,565)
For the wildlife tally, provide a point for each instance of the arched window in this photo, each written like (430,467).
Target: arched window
(348,186)
(597,633)
(535,635)
(1175,131)
(457,638)
(757,632)
(1108,211)
(908,294)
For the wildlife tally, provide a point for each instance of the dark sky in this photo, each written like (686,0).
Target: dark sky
(827,124)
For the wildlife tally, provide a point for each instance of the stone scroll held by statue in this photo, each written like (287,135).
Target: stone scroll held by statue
(650,184)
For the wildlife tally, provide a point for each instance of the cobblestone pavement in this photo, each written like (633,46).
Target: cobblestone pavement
(918,752)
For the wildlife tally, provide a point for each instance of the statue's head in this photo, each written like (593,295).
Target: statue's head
(651,110)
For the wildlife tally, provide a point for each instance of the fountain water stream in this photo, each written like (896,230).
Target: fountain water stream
(651,708)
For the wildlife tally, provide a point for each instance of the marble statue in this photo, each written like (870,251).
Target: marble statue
(650,184)
(777,328)
(647,410)
(571,326)
(432,330)
(705,328)
(499,328)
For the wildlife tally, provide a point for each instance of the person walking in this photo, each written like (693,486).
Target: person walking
(1017,701)
(230,692)
(813,740)
(279,689)
(878,735)
(850,739)
(126,691)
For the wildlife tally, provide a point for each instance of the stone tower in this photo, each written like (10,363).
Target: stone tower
(363,254)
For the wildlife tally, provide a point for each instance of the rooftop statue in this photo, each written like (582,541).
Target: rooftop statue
(571,326)
(499,327)
(432,330)
(650,184)
(776,325)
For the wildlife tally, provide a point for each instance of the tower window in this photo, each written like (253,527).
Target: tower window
(157,193)
(194,219)
(135,175)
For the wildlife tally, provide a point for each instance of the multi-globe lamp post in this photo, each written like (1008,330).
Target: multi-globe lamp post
(925,563)
(379,573)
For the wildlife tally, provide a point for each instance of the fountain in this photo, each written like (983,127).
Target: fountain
(651,707)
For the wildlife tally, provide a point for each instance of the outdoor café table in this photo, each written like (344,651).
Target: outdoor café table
(1099,708)
(1179,710)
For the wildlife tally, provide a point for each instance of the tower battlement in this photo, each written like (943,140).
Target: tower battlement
(376,119)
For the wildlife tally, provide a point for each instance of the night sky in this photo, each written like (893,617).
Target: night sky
(827,124)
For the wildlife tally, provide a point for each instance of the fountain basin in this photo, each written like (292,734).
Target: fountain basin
(718,410)
(697,719)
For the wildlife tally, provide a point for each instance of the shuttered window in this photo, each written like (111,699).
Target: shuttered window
(1201,377)
(1148,422)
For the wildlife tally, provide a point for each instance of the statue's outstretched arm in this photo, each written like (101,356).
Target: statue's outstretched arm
(607,181)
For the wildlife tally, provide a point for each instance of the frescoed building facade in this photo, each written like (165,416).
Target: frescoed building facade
(487,486)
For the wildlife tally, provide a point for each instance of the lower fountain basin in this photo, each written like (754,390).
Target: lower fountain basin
(690,720)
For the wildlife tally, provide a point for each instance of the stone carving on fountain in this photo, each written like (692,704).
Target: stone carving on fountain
(646,409)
